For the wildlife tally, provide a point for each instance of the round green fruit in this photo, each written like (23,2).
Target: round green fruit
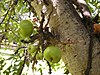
(39,56)
(32,49)
(52,54)
(26,28)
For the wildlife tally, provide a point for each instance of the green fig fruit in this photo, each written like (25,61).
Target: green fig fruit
(26,28)
(52,54)
(32,49)
(39,56)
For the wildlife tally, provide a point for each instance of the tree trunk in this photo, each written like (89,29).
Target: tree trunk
(72,37)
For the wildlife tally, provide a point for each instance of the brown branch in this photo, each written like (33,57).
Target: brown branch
(41,22)
(83,8)
(48,18)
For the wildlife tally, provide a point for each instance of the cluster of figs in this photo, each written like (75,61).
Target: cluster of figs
(52,53)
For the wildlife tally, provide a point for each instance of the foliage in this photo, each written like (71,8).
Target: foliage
(15,49)
(94,6)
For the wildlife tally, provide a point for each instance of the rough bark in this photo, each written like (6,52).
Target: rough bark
(72,37)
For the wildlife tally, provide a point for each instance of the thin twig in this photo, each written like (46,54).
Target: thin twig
(5,16)
(50,70)
(25,57)
(48,18)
